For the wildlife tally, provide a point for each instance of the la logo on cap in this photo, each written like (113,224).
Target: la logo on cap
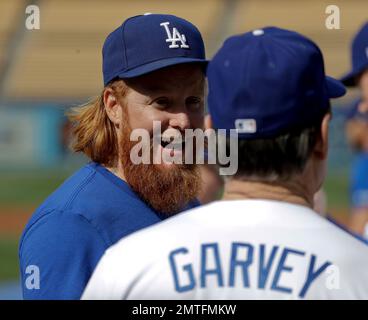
(174,37)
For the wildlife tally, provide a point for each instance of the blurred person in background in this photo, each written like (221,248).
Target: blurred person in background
(357,133)
(153,68)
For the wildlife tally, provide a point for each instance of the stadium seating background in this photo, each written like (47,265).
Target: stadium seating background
(43,72)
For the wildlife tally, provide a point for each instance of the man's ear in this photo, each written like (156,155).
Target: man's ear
(112,106)
(321,148)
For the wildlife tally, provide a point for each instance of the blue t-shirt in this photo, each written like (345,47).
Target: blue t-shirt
(359,182)
(69,232)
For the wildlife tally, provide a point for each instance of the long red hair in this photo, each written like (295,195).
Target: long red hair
(93,132)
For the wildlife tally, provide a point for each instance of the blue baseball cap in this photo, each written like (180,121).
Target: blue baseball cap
(359,56)
(149,42)
(265,82)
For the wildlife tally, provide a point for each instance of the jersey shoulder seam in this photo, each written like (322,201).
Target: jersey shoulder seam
(55,211)
(78,189)
(28,227)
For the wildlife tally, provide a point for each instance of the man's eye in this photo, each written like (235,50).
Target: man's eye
(161,103)
(194,102)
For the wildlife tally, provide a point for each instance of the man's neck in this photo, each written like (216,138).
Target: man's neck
(118,171)
(286,192)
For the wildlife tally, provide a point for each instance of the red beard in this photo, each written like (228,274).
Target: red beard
(167,189)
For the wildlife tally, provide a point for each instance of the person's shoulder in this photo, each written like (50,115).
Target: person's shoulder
(60,227)
(87,190)
(344,246)
(68,191)
(103,197)
(349,238)
(64,247)
(157,237)
(61,198)
(103,200)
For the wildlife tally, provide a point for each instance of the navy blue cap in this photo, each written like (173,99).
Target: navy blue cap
(149,42)
(267,81)
(359,56)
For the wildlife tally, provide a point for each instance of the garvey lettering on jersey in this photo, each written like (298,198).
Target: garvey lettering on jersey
(244,257)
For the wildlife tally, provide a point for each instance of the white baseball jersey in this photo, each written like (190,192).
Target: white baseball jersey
(244,249)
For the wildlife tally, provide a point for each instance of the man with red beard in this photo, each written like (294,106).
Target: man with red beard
(153,67)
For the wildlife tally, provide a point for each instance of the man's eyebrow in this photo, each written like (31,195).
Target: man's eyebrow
(157,87)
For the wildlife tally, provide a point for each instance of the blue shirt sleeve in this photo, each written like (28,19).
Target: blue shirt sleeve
(58,254)
(359,183)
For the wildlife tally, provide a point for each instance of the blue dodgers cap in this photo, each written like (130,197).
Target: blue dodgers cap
(359,56)
(265,82)
(149,42)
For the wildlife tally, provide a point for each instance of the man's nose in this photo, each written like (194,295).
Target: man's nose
(180,121)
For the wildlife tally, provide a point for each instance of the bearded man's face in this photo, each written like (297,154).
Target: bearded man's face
(173,97)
